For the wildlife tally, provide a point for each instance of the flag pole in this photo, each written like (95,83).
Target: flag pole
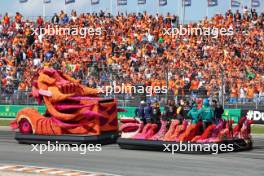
(207,10)
(111,7)
(137,8)
(91,8)
(44,11)
(116,7)
(65,6)
(262,9)
(183,17)
(178,11)
(158,7)
(241,5)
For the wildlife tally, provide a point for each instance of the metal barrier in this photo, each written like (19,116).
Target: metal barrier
(24,98)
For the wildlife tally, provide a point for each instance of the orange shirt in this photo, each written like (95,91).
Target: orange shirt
(250,92)
(22,86)
(6,20)
(18,18)
(194,85)
(234,92)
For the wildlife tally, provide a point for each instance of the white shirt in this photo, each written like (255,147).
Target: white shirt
(242,93)
(36,62)
(150,38)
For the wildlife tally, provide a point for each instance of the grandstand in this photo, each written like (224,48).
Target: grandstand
(134,50)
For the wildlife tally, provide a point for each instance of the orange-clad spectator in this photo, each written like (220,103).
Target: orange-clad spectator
(3,82)
(22,86)
(40,21)
(234,94)
(18,17)
(194,85)
(250,93)
(6,19)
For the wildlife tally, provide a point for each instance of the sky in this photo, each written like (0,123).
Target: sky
(196,12)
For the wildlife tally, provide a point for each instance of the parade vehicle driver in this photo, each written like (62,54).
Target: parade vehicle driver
(139,112)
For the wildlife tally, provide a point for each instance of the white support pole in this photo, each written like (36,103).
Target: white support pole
(116,7)
(207,9)
(91,8)
(111,7)
(44,11)
(137,7)
(183,16)
(158,8)
(179,9)
(65,8)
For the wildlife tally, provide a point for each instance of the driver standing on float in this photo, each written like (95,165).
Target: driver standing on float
(206,113)
(156,113)
(139,112)
(194,114)
(148,112)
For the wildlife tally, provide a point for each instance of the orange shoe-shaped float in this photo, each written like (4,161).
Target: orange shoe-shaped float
(72,109)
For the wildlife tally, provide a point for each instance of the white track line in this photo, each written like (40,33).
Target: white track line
(51,171)
(43,170)
(6,167)
(56,172)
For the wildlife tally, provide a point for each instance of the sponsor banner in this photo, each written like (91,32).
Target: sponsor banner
(233,114)
(10,111)
(256,115)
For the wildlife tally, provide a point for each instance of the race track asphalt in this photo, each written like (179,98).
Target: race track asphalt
(138,163)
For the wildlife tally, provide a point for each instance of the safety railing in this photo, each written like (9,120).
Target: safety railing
(24,98)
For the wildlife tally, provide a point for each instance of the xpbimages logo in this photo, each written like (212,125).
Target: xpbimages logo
(64,31)
(198,31)
(128,89)
(198,147)
(57,147)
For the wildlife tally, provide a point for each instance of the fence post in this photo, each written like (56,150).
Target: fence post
(27,98)
(257,100)
(222,86)
(0,83)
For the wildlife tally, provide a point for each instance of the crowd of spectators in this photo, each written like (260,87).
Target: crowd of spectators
(132,49)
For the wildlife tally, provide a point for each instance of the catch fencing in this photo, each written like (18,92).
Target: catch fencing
(128,100)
